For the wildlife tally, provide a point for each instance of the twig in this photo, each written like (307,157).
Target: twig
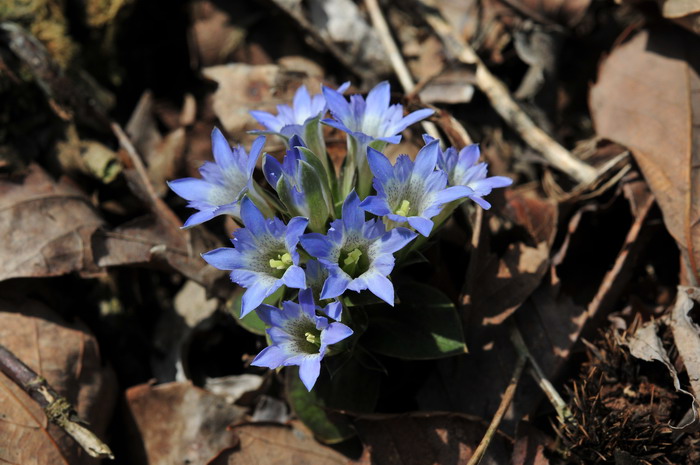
(565,415)
(333,49)
(502,408)
(395,57)
(504,104)
(58,410)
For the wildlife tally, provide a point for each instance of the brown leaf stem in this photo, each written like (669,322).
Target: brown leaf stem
(57,408)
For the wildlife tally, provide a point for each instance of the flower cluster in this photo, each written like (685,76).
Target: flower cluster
(318,235)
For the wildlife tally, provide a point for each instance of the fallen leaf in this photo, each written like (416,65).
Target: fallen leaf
(426,438)
(686,334)
(648,98)
(179,423)
(278,445)
(68,357)
(45,226)
(566,12)
(215,35)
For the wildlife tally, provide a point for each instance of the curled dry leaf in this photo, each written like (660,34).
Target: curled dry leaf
(68,357)
(278,445)
(648,98)
(45,226)
(179,423)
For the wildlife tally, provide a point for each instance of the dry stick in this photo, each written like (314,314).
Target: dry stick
(397,62)
(563,412)
(58,410)
(502,408)
(505,105)
(333,49)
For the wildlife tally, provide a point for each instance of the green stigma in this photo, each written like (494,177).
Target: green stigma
(404,208)
(351,261)
(283,262)
(312,338)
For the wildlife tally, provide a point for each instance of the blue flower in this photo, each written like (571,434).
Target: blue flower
(264,256)
(316,275)
(371,119)
(224,182)
(299,336)
(463,170)
(410,192)
(291,119)
(372,122)
(358,254)
(300,186)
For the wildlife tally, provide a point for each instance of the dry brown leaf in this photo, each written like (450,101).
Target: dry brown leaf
(567,12)
(278,445)
(686,334)
(45,226)
(648,98)
(179,423)
(147,241)
(426,438)
(68,357)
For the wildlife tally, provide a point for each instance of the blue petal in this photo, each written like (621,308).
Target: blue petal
(254,154)
(377,102)
(353,215)
(335,285)
(426,159)
(391,140)
(191,188)
(422,225)
(317,245)
(452,193)
(252,218)
(309,369)
(254,296)
(294,277)
(222,150)
(270,357)
(295,229)
(265,313)
(379,164)
(412,118)
(336,124)
(306,300)
(223,258)
(376,205)
(301,103)
(380,286)
(334,310)
(338,106)
(343,87)
(482,203)
(268,120)
(396,239)
(199,218)
(272,169)
(335,332)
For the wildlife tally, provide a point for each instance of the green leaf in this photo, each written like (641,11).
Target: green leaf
(424,325)
(251,322)
(315,197)
(313,138)
(313,160)
(284,192)
(353,387)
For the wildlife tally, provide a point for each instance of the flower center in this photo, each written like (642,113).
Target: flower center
(282,262)
(354,262)
(312,338)
(404,208)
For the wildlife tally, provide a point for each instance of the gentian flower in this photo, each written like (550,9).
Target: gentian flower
(301,119)
(410,192)
(291,119)
(300,186)
(299,336)
(358,254)
(264,256)
(316,275)
(463,170)
(372,121)
(223,183)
